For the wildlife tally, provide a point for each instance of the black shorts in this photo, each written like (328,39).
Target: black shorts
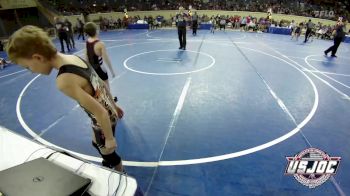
(101,73)
(243,25)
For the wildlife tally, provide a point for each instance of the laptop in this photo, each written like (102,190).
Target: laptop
(40,177)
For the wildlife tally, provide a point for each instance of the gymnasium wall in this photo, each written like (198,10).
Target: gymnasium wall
(16,4)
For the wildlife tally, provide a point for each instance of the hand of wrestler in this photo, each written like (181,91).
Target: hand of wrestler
(120,112)
(110,144)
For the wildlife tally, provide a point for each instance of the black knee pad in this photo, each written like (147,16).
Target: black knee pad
(106,164)
(112,160)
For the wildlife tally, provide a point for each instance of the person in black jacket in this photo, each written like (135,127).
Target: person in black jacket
(62,31)
(194,23)
(339,35)
(181,29)
(70,33)
(80,27)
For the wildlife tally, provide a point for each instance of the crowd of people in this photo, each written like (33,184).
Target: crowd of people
(66,31)
(306,8)
(245,23)
(120,23)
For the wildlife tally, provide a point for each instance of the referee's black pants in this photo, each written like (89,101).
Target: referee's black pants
(334,48)
(182,36)
(307,34)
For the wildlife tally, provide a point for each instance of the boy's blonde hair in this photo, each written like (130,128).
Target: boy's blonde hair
(30,40)
(90,29)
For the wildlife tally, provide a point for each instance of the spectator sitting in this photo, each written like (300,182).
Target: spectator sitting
(141,22)
(320,33)
(328,34)
(243,23)
(222,23)
(237,22)
(119,23)
(251,25)
(155,23)
(292,26)
(4,63)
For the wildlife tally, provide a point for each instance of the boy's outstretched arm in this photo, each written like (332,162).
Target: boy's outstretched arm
(105,57)
(120,112)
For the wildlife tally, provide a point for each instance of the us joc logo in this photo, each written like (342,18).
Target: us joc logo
(312,167)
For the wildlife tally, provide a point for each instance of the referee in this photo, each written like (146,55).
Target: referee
(62,31)
(194,23)
(339,35)
(181,29)
(309,27)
